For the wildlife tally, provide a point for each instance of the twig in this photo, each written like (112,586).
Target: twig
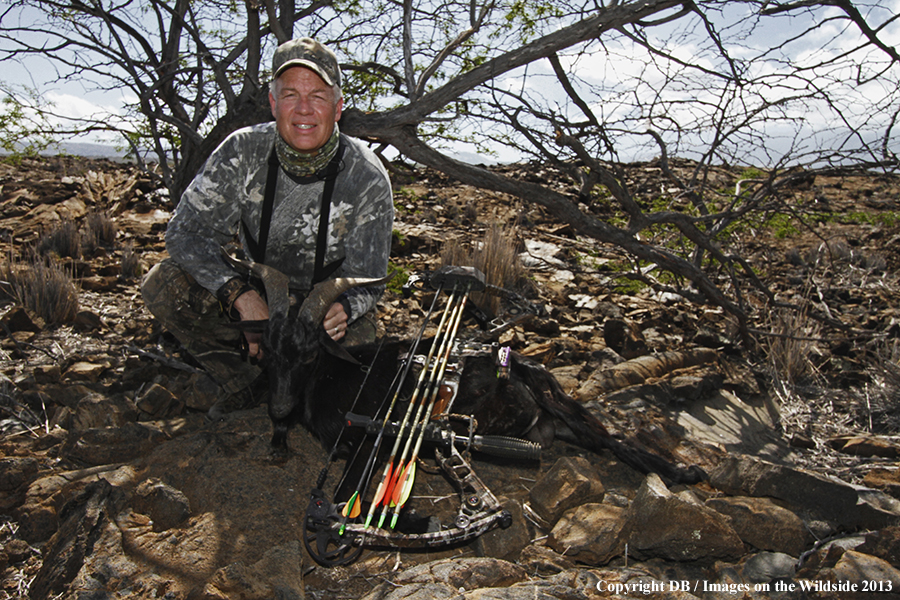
(165,360)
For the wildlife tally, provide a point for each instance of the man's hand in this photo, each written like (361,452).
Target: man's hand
(335,322)
(252,307)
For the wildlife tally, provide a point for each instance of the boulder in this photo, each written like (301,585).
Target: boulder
(664,525)
(848,506)
(764,567)
(506,543)
(858,576)
(589,534)
(570,482)
(763,524)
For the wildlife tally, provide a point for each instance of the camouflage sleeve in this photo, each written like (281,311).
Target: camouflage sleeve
(367,244)
(209,212)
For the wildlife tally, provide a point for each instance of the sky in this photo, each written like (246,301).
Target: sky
(612,74)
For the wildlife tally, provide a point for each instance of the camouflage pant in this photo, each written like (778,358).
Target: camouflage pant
(195,317)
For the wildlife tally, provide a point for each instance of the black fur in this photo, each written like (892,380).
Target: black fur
(313,386)
(521,404)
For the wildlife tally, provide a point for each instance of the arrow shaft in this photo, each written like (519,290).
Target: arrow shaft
(383,487)
(402,494)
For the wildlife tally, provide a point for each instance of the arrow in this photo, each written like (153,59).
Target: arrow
(384,487)
(403,488)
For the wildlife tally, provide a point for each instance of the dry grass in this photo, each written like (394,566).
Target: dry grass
(495,256)
(131,264)
(40,285)
(64,241)
(99,230)
(793,340)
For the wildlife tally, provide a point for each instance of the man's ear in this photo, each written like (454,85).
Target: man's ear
(272,103)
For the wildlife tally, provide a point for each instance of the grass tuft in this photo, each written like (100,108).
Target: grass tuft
(495,256)
(64,241)
(41,286)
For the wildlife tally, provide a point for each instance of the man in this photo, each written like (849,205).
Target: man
(303,198)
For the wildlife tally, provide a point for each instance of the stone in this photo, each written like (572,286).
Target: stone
(832,500)
(96,411)
(81,521)
(156,402)
(764,567)
(464,573)
(111,445)
(201,392)
(589,534)
(887,480)
(279,574)
(884,544)
(506,543)
(47,373)
(871,576)
(85,371)
(571,481)
(418,591)
(763,524)
(18,550)
(663,525)
(16,471)
(864,445)
(625,338)
(20,319)
(543,560)
(166,506)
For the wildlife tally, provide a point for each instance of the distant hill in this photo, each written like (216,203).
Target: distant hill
(86,150)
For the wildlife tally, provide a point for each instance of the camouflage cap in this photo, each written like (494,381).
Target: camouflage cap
(307,52)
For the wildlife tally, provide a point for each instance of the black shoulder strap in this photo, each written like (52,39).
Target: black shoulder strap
(257,248)
(321,271)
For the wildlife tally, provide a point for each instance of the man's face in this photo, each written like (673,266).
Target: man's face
(304,108)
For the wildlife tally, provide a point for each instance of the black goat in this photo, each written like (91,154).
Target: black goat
(314,381)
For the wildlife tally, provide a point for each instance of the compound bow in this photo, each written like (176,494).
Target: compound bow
(333,534)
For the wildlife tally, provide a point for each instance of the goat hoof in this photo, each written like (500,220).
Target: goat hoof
(279,454)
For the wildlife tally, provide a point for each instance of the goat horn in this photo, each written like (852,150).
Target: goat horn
(277,284)
(324,294)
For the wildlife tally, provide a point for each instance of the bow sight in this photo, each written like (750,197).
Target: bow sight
(336,534)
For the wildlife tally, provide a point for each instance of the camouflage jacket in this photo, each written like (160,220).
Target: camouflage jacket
(230,189)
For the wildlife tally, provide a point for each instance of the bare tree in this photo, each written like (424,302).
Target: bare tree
(790,88)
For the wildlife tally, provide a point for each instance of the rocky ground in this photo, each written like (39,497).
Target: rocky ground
(113,485)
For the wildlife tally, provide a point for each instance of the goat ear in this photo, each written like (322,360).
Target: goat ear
(335,349)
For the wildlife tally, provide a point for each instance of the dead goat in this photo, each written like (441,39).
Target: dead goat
(314,381)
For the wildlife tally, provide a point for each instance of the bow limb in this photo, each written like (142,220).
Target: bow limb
(479,512)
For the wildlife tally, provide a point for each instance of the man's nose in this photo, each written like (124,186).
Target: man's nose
(303,106)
